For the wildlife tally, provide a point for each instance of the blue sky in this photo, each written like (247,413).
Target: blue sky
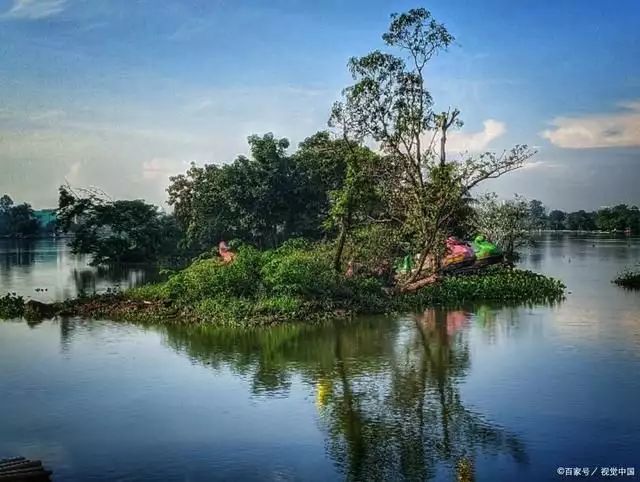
(123,93)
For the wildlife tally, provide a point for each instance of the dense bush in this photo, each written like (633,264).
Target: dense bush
(11,306)
(497,284)
(297,282)
(209,278)
(297,271)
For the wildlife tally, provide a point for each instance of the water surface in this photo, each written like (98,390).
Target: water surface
(46,270)
(505,393)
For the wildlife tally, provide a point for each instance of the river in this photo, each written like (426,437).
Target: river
(491,392)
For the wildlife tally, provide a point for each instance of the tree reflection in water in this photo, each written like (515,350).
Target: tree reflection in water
(387,392)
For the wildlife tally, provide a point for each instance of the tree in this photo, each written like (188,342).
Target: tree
(256,200)
(538,214)
(389,103)
(618,218)
(116,231)
(557,219)
(5,207)
(507,223)
(17,220)
(265,199)
(581,221)
(355,203)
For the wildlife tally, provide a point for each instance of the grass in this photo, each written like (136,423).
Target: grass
(295,282)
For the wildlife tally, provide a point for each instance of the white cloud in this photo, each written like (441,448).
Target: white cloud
(459,141)
(538,165)
(463,141)
(161,169)
(35,9)
(620,129)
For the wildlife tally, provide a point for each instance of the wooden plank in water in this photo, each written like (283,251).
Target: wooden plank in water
(21,464)
(32,476)
(19,469)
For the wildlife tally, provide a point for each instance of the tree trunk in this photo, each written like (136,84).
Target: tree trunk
(342,237)
(443,144)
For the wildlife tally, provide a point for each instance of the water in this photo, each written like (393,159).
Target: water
(506,393)
(46,270)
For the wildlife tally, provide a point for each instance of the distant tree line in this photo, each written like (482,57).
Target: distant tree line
(611,219)
(20,220)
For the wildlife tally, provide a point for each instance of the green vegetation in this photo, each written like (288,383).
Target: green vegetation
(297,282)
(507,223)
(116,231)
(263,200)
(610,219)
(321,229)
(11,306)
(628,279)
(369,207)
(17,220)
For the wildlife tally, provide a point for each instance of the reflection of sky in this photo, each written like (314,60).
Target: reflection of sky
(48,264)
(116,401)
(566,373)
(596,310)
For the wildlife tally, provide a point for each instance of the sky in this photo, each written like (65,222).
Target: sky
(122,94)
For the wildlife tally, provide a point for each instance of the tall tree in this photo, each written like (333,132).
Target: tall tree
(390,103)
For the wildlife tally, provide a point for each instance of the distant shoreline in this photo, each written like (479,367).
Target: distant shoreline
(37,236)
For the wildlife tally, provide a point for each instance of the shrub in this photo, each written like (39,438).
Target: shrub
(297,282)
(298,272)
(497,284)
(210,278)
(11,306)
(628,279)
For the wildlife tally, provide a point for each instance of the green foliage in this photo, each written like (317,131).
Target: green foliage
(210,278)
(263,200)
(299,272)
(538,214)
(557,219)
(425,197)
(616,218)
(297,282)
(629,278)
(375,246)
(506,223)
(11,306)
(17,220)
(581,221)
(619,218)
(498,284)
(116,231)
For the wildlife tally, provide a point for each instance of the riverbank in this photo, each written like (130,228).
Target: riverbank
(288,284)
